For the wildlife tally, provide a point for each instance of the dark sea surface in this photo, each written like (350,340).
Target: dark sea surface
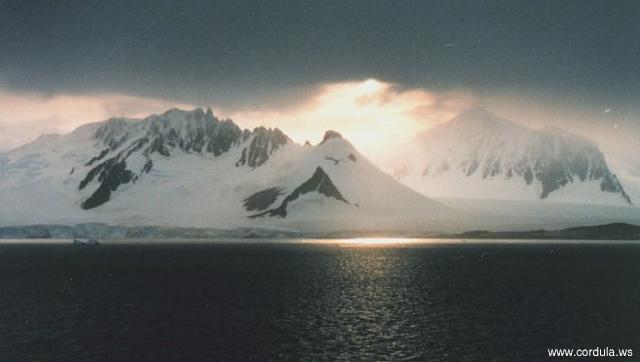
(286,301)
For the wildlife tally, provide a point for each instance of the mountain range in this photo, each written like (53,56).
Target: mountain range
(191,169)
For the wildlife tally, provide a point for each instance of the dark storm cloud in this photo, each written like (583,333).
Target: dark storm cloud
(236,51)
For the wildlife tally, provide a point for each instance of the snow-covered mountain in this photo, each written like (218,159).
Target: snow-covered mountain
(479,155)
(191,169)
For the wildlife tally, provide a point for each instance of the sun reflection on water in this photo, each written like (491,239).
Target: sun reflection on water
(369,242)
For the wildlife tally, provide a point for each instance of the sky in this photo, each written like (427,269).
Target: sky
(377,71)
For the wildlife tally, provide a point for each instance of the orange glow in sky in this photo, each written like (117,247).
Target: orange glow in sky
(372,114)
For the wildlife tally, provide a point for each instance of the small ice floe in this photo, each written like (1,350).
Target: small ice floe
(483,255)
(85,242)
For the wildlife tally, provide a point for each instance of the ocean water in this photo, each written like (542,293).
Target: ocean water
(202,301)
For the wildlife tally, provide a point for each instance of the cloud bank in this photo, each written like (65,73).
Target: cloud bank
(23,117)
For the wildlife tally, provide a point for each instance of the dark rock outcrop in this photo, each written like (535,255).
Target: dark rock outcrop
(330,135)
(113,174)
(261,200)
(98,157)
(333,159)
(319,182)
(265,141)
(147,166)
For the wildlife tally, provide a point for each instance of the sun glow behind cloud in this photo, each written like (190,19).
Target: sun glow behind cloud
(374,115)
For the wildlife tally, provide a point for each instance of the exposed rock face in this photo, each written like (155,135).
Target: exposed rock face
(98,157)
(333,159)
(262,199)
(194,132)
(191,132)
(113,133)
(264,142)
(112,174)
(329,135)
(480,146)
(319,182)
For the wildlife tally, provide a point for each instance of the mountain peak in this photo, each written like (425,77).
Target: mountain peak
(476,112)
(477,154)
(330,135)
(479,116)
(174,111)
(178,114)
